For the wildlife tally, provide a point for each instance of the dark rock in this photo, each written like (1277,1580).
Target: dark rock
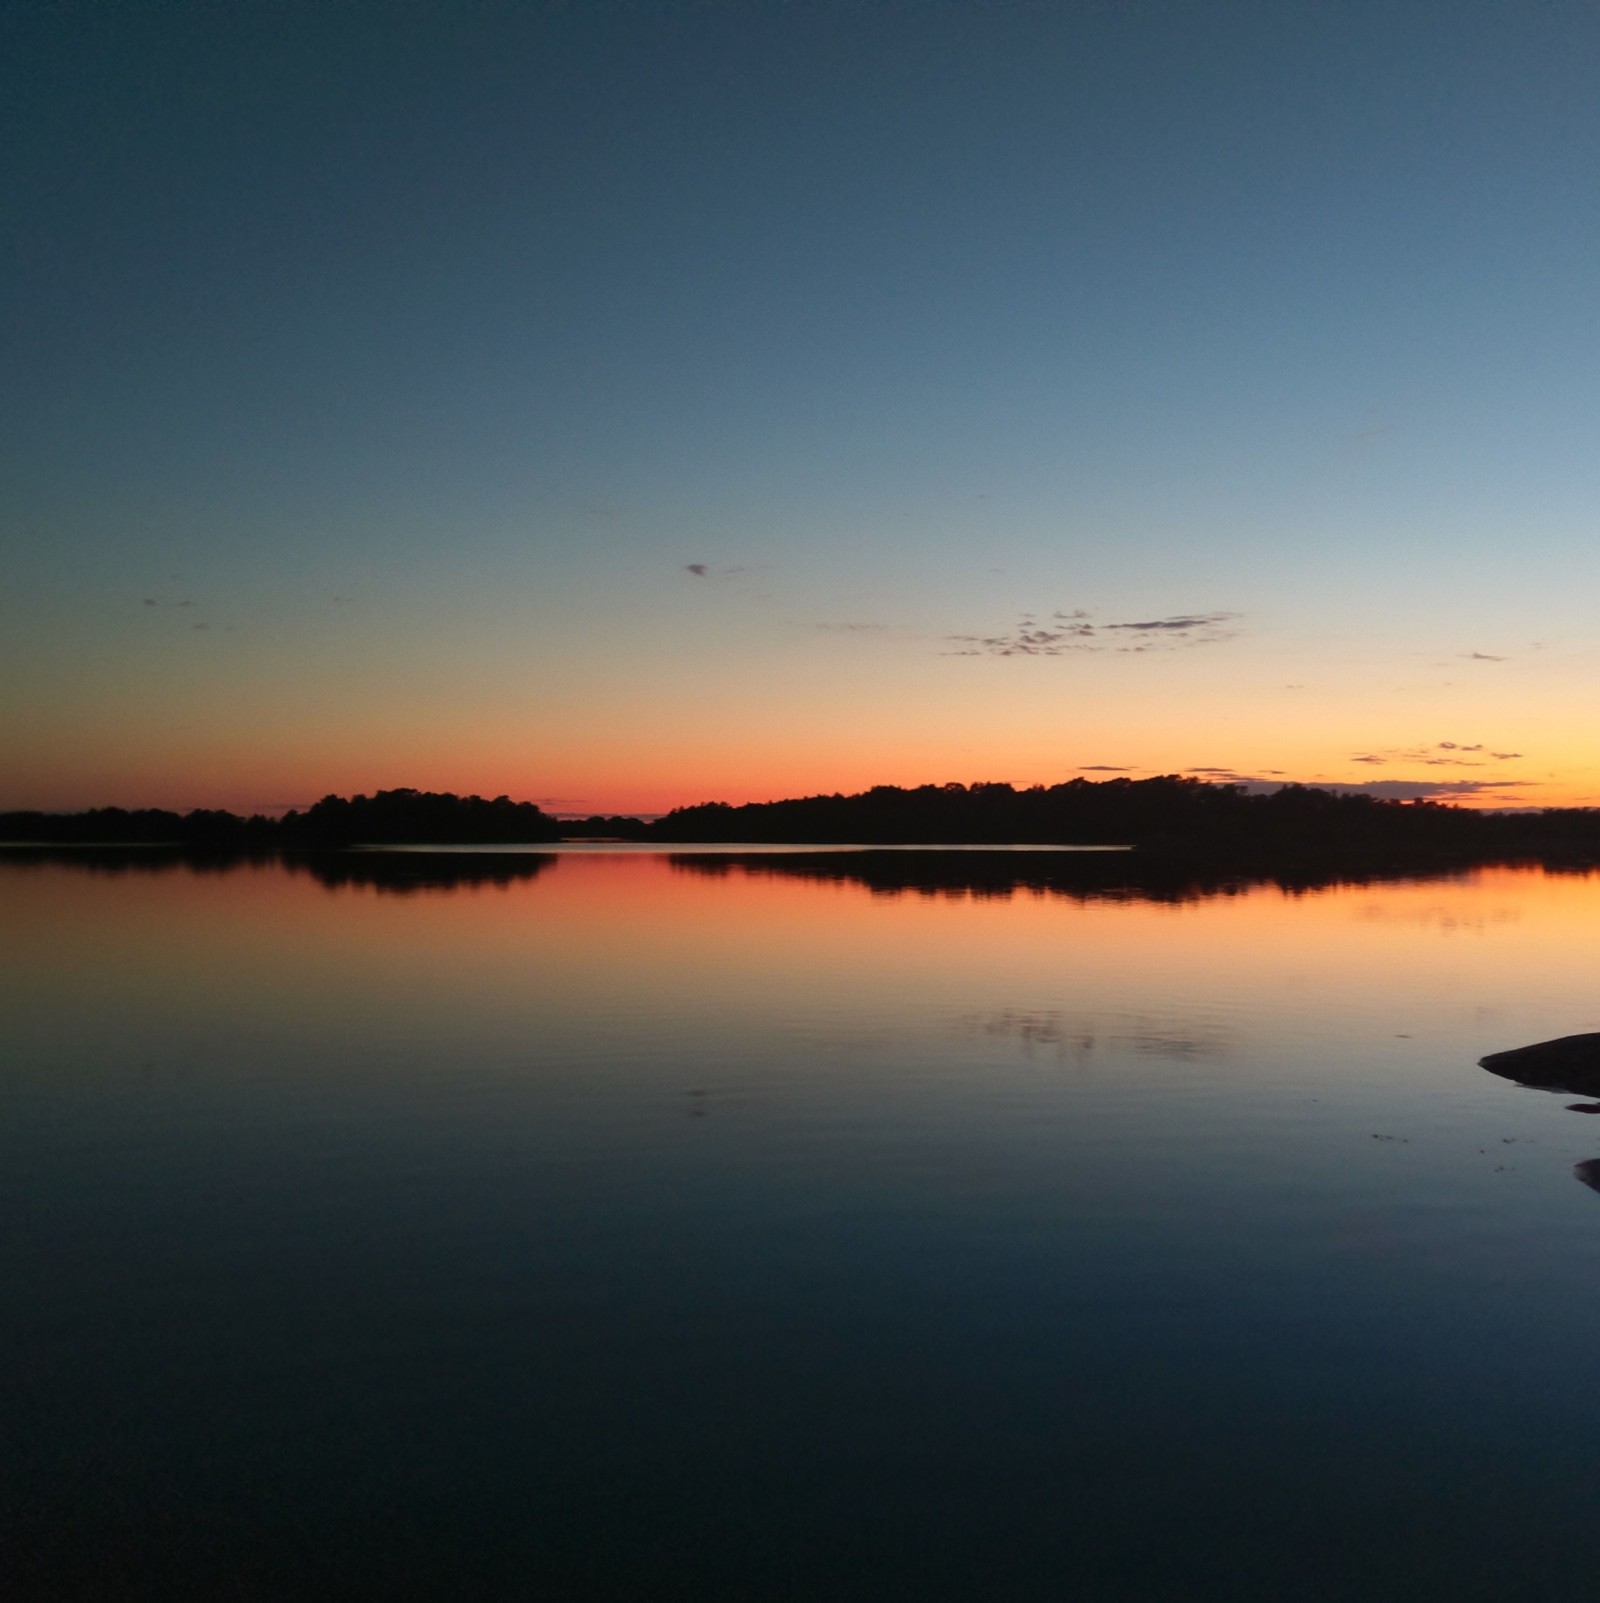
(1589,1172)
(1571,1064)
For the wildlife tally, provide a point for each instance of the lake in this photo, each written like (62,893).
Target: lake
(624,1225)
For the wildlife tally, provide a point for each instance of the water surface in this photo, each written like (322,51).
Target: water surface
(620,1225)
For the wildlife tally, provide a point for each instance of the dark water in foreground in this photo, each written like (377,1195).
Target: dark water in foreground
(621,1228)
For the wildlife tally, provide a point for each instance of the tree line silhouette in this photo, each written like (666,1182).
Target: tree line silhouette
(390,818)
(1170,815)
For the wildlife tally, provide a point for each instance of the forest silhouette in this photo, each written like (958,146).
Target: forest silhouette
(1169,817)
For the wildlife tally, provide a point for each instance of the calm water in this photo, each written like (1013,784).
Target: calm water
(609,1226)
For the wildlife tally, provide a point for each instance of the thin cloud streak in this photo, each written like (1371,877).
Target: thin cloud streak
(1443,754)
(1065,633)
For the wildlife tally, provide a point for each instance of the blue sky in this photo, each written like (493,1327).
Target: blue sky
(378,373)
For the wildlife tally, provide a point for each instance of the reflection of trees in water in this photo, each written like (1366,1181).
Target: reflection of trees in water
(959,875)
(403,873)
(115,862)
(1077,876)
(392,873)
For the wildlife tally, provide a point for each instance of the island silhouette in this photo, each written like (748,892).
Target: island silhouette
(1171,817)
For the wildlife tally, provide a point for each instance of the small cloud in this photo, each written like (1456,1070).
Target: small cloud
(1255,784)
(1103,768)
(1024,641)
(1071,632)
(1183,623)
(150,601)
(1482,656)
(1421,789)
(852,627)
(183,603)
(707,570)
(1505,756)
(1455,755)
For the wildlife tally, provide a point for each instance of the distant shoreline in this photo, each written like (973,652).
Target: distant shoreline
(1170,817)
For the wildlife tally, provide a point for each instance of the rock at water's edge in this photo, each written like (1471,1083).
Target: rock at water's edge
(1570,1063)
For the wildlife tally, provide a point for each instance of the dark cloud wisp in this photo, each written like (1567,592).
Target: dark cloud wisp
(1064,633)
(1442,754)
(1422,789)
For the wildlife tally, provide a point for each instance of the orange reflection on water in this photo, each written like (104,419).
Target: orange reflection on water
(592,941)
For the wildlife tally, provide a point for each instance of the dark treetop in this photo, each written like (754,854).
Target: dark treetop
(1167,816)
(390,818)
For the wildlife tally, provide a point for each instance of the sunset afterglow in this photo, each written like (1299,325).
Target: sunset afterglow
(624,409)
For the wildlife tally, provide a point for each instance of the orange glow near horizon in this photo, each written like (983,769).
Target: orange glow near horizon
(244,788)
(654,752)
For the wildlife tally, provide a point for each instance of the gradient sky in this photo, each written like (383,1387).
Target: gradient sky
(627,405)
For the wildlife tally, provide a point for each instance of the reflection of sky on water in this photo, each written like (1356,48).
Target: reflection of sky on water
(624,1210)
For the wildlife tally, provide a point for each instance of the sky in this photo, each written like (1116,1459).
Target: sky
(623,406)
